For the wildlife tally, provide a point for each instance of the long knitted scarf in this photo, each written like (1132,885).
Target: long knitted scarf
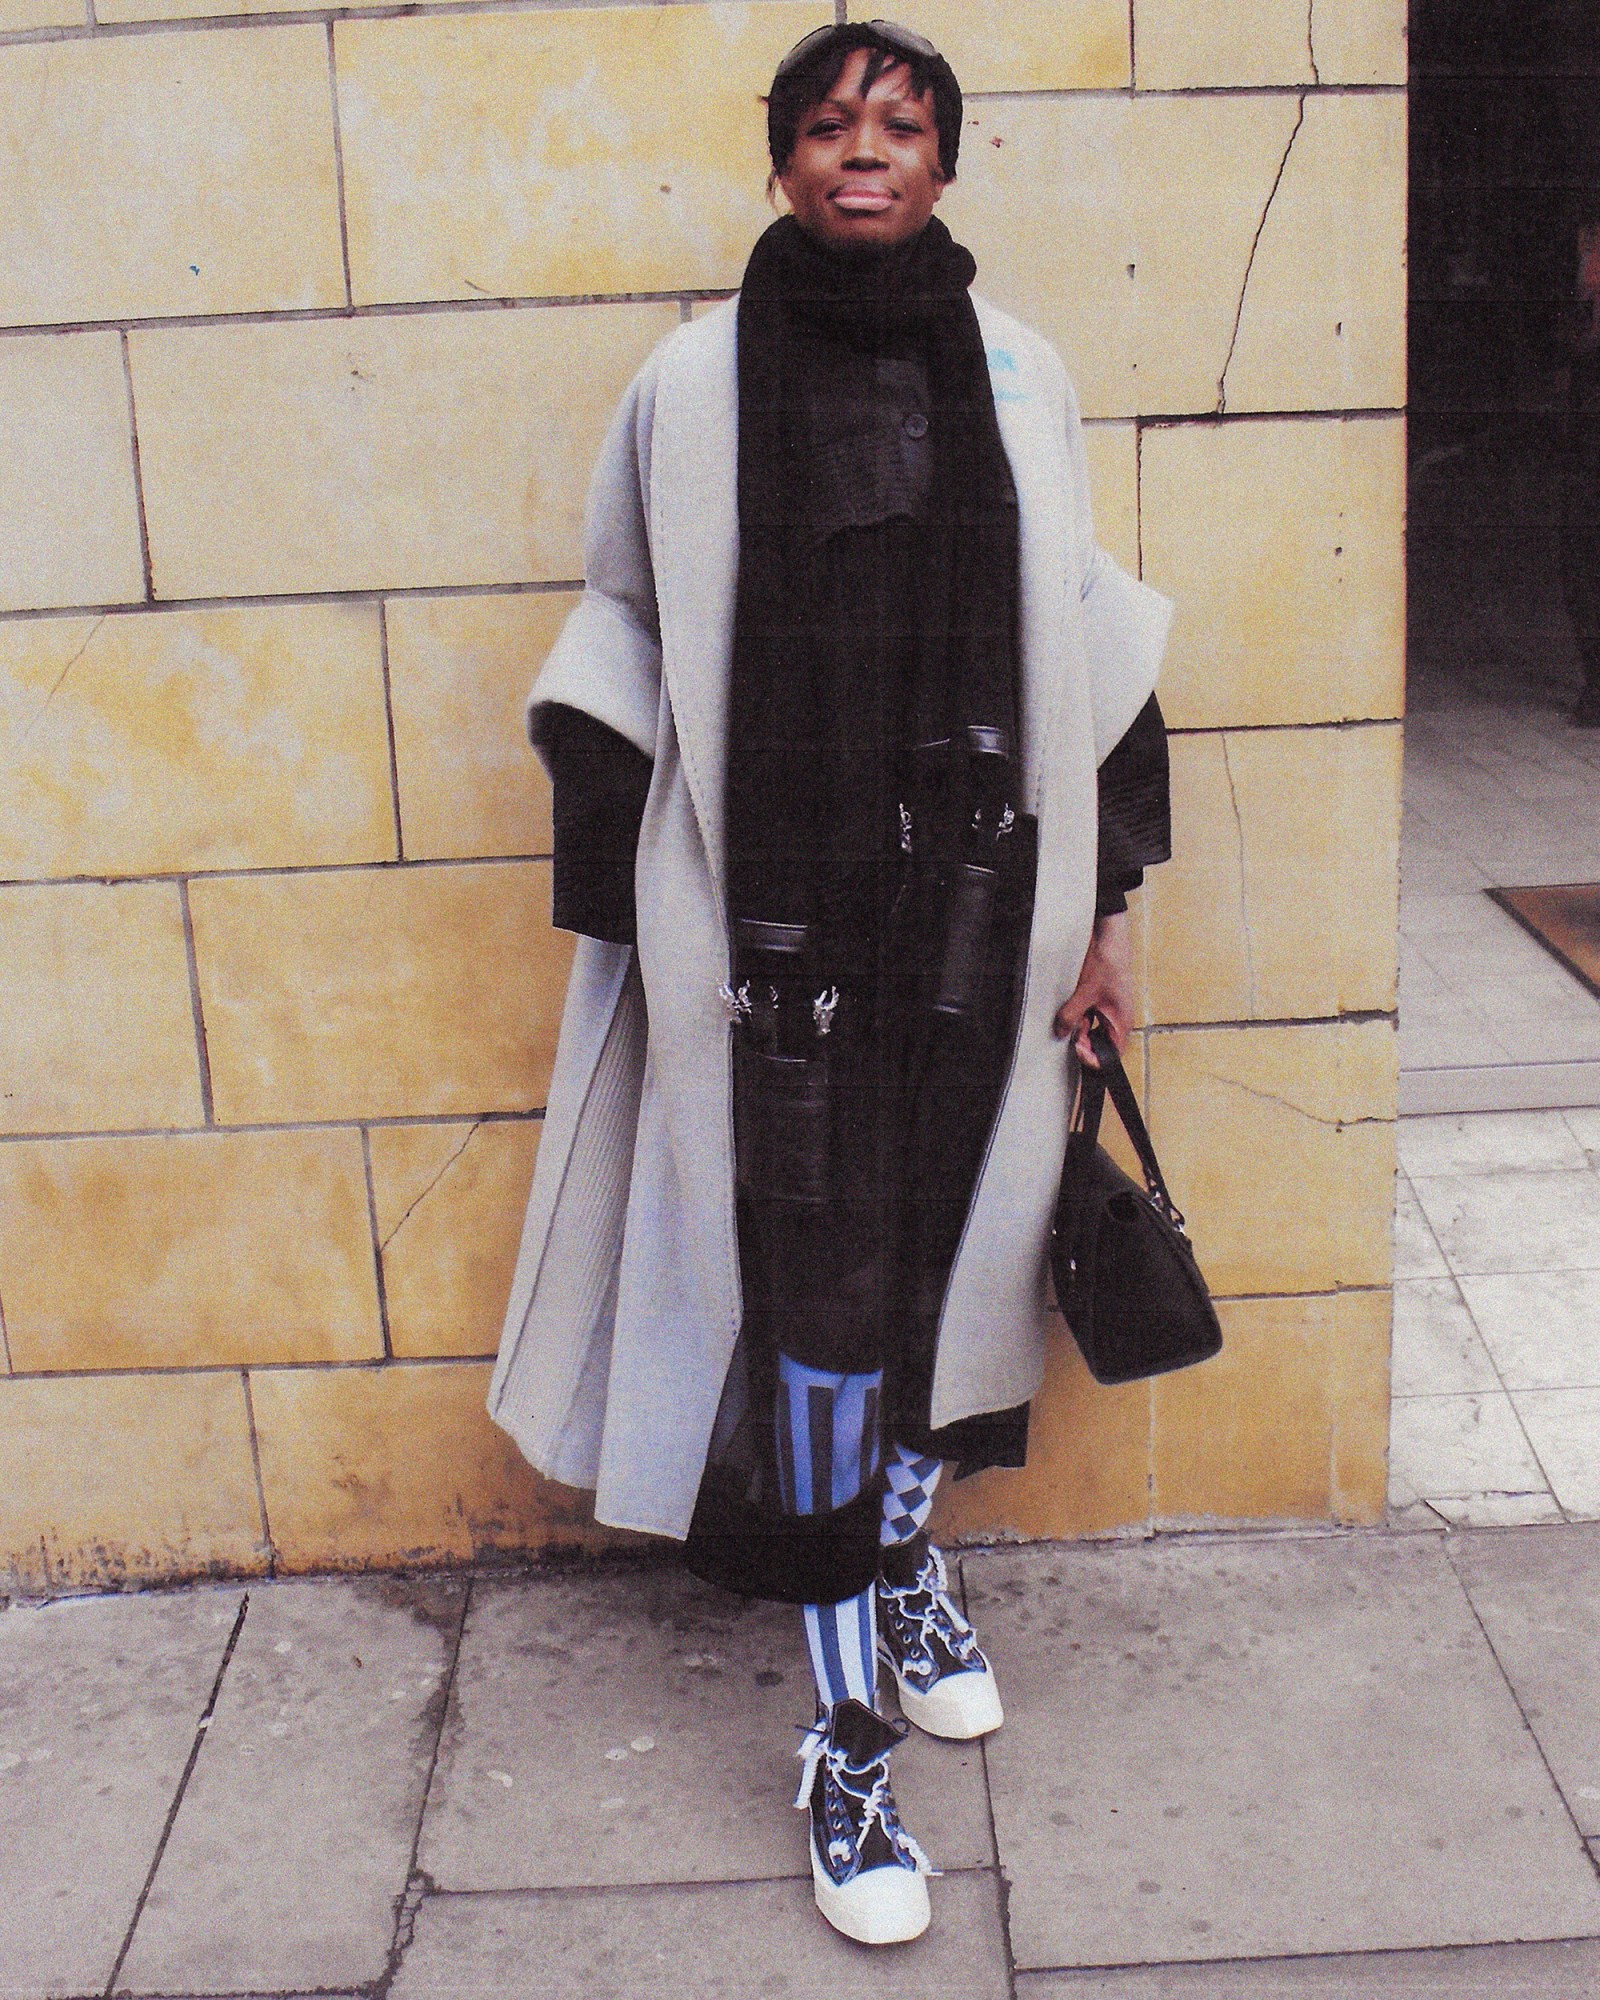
(779,833)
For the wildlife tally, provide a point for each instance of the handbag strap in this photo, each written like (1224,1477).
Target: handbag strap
(1111,1079)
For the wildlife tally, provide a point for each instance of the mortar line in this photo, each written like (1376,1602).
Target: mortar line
(1494,1654)
(1138,499)
(1133,50)
(599,1890)
(246,1126)
(138,471)
(377,1247)
(272,601)
(196,1009)
(343,315)
(183,1785)
(338,171)
(414,864)
(416,1885)
(255,1465)
(388,723)
(323,1366)
(1189,1965)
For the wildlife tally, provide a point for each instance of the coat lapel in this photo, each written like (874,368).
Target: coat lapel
(694,522)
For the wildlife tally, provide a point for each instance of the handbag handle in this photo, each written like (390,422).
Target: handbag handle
(1111,1079)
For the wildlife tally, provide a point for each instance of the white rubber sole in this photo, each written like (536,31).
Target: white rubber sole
(958,1707)
(883,1906)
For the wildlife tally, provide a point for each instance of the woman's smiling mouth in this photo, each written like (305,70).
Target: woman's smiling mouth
(863,200)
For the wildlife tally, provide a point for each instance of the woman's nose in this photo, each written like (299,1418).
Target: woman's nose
(864,158)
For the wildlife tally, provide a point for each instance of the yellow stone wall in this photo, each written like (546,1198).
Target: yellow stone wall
(308,331)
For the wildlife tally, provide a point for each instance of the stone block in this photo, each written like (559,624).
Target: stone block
(1311,1109)
(1088,1469)
(187,1251)
(1513,1222)
(1256,916)
(385,1467)
(726,1941)
(459,673)
(546,154)
(69,525)
(18,17)
(1113,454)
(1184,47)
(107,1479)
(1283,545)
(1122,227)
(1289,1422)
(159,175)
(1323,321)
(99,1700)
(1253,1749)
(1538,1595)
(151,744)
(296,1831)
(588,1711)
(97,1031)
(379,993)
(409,449)
(1022,44)
(450,1201)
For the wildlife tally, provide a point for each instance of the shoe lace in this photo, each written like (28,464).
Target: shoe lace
(922,1613)
(868,1785)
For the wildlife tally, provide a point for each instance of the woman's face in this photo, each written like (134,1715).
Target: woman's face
(865,170)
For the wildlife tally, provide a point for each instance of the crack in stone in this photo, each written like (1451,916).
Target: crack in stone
(439,1176)
(1250,262)
(55,686)
(1311,40)
(1244,894)
(1288,1104)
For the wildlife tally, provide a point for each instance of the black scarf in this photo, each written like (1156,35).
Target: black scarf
(780,838)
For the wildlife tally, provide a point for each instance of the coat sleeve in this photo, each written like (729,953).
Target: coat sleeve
(607,661)
(1125,622)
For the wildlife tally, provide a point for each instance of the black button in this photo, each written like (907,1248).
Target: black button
(916,425)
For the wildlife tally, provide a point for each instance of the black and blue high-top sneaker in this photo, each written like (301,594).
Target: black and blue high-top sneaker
(866,1870)
(946,1685)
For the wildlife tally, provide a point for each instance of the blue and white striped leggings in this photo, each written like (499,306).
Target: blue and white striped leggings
(828,1449)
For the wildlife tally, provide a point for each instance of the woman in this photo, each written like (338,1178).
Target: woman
(824,733)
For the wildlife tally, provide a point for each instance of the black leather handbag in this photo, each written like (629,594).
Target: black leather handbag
(1125,1273)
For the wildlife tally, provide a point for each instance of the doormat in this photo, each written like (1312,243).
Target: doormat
(1566,921)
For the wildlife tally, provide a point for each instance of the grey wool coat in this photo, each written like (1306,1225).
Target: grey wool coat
(625,1306)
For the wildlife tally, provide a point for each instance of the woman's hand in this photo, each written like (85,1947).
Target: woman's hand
(1105,985)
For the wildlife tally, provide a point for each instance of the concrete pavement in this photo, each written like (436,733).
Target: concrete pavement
(1255,1765)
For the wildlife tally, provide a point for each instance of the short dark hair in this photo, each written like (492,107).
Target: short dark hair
(810,81)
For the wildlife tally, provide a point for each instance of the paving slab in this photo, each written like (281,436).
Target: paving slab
(1538,1594)
(1478,1972)
(294,1840)
(723,1941)
(99,1702)
(1249,1748)
(642,1727)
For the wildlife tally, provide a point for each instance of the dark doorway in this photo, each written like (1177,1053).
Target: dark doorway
(1502,785)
